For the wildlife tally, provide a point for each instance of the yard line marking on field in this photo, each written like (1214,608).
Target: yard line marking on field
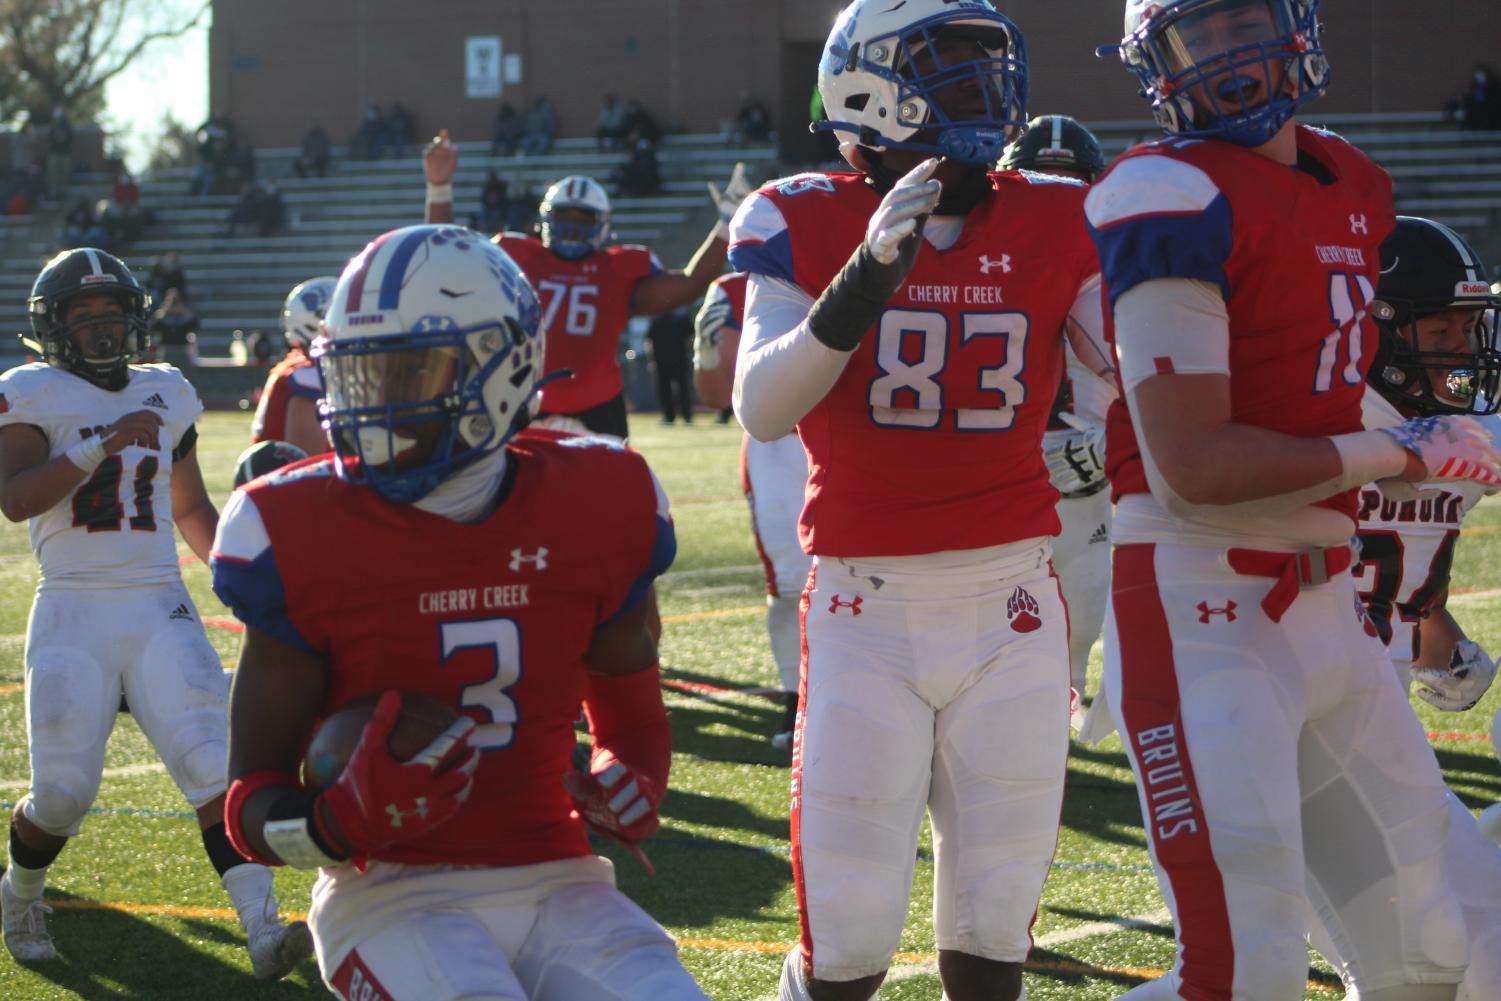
(722,613)
(1462,596)
(109,773)
(716,693)
(673,575)
(8,689)
(232,625)
(154,910)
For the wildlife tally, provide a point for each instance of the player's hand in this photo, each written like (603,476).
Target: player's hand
(1459,686)
(1075,458)
(139,427)
(894,231)
(726,201)
(440,161)
(379,801)
(712,317)
(1447,449)
(614,800)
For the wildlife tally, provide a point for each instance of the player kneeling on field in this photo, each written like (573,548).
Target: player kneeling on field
(443,550)
(98,453)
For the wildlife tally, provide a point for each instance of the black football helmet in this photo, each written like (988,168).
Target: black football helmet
(265,457)
(74,272)
(1427,268)
(1053,143)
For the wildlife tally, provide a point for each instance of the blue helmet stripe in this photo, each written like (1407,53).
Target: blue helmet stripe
(396,268)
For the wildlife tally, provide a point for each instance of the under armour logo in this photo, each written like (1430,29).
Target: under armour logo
(1206,612)
(853,605)
(1004,264)
(520,558)
(397,813)
(1358,224)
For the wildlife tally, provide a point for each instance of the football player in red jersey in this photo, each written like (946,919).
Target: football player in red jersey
(288,408)
(906,319)
(1277,764)
(443,549)
(589,289)
(772,477)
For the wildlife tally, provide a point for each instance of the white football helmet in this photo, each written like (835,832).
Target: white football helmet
(303,311)
(1186,49)
(875,86)
(572,240)
(429,356)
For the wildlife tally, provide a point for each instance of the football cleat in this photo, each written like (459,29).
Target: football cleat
(782,739)
(25,925)
(276,948)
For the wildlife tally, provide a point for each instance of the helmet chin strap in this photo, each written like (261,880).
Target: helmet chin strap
(957,198)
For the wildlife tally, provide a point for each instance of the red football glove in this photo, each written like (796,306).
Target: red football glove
(616,802)
(379,801)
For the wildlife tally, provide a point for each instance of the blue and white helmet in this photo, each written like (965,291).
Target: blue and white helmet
(874,88)
(430,354)
(1177,47)
(572,240)
(302,313)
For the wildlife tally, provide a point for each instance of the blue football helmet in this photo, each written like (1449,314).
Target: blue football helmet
(568,239)
(884,70)
(430,353)
(1197,60)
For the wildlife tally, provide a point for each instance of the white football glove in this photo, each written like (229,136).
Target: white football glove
(1076,458)
(1451,448)
(914,196)
(728,200)
(1459,686)
(712,316)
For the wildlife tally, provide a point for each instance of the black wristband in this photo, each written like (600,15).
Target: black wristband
(302,804)
(854,299)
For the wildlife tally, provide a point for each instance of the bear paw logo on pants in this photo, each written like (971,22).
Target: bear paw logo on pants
(1021,609)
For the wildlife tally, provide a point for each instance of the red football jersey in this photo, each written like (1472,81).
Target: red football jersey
(586,305)
(1296,256)
(731,289)
(294,375)
(492,618)
(931,440)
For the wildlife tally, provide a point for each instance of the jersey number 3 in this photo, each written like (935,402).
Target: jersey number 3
(502,638)
(908,393)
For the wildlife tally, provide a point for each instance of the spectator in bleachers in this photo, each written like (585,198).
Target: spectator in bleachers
(541,128)
(1480,108)
(640,125)
(260,205)
(508,129)
(312,158)
(752,121)
(125,206)
(16,191)
(401,128)
(494,204)
(166,273)
(59,153)
(216,142)
(370,141)
(173,327)
(610,127)
(81,227)
(640,176)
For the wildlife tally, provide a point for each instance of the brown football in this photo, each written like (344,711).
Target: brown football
(422,718)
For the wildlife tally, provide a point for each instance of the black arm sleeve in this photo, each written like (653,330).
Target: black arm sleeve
(185,445)
(849,306)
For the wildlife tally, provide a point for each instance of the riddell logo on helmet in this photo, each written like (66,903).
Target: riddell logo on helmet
(364,319)
(1472,288)
(96,279)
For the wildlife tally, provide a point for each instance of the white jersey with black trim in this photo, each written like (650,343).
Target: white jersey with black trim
(116,526)
(1407,547)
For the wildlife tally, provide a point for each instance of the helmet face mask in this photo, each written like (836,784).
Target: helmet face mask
(946,79)
(98,344)
(303,311)
(1437,316)
(433,366)
(575,217)
(1229,69)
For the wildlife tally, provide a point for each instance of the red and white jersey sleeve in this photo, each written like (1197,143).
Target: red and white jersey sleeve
(493,618)
(930,439)
(1407,547)
(115,528)
(586,305)
(294,375)
(1294,253)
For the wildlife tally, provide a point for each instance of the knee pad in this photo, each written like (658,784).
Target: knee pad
(199,762)
(55,810)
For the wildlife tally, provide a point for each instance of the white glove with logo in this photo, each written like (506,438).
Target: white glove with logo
(1451,448)
(728,200)
(1075,459)
(1459,686)
(913,197)
(711,318)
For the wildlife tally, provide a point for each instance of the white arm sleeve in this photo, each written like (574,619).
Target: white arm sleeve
(1085,327)
(782,370)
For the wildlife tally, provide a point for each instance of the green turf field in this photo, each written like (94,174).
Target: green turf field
(140,914)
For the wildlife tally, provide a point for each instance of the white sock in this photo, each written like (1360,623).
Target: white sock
(786,638)
(249,886)
(27,883)
(793,985)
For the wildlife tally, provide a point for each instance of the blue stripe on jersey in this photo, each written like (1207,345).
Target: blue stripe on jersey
(254,592)
(772,258)
(1193,245)
(663,551)
(396,269)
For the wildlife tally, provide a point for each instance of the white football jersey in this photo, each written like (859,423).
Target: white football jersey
(1407,547)
(116,527)
(1092,395)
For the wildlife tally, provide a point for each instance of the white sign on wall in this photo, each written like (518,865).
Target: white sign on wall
(482,66)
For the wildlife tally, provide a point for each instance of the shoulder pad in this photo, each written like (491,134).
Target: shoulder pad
(1148,184)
